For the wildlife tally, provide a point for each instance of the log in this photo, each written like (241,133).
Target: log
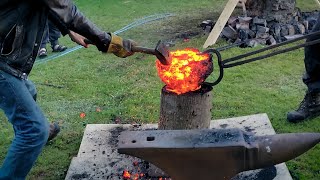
(221,22)
(191,110)
(185,111)
(255,7)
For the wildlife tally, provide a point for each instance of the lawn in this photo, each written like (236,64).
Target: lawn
(107,88)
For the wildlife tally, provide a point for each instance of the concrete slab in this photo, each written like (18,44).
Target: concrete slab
(98,158)
(100,140)
(258,124)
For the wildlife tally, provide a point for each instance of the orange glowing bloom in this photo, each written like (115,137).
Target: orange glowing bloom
(187,71)
(126,175)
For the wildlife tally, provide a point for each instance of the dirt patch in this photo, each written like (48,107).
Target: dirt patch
(179,28)
(186,26)
(120,120)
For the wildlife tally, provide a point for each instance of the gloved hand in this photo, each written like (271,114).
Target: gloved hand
(120,47)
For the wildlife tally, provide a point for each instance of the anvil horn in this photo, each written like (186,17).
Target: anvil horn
(282,147)
(212,154)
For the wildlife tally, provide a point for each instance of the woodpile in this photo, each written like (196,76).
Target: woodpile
(266,22)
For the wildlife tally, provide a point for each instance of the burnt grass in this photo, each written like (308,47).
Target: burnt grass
(183,27)
(180,27)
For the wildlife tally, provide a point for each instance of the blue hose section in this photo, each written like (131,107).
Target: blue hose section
(139,22)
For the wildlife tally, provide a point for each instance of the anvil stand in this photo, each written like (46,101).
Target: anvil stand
(98,158)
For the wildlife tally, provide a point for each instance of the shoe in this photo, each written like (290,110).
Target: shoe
(309,108)
(53,131)
(59,48)
(42,53)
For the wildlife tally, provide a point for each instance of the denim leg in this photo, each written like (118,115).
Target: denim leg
(312,63)
(54,34)
(32,89)
(30,126)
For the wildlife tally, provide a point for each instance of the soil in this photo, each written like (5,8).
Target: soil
(182,27)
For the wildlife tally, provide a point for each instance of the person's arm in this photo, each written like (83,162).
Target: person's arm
(75,21)
(77,38)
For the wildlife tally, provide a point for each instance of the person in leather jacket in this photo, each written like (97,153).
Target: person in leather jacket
(22,24)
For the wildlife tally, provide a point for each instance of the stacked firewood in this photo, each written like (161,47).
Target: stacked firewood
(279,21)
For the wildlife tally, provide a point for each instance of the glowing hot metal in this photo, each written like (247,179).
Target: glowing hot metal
(187,71)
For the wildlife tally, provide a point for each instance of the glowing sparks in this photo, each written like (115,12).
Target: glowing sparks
(126,175)
(82,115)
(187,71)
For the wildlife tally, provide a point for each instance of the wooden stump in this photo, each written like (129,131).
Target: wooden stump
(186,111)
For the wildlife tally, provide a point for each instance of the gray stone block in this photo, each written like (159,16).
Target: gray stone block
(98,157)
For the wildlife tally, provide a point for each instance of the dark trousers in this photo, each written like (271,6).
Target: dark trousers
(52,35)
(312,63)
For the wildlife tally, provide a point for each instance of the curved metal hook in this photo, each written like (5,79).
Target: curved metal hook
(221,73)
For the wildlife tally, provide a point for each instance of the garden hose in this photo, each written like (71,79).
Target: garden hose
(139,22)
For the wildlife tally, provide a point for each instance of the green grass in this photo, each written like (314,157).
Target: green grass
(129,89)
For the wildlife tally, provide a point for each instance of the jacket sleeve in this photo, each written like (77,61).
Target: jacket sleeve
(58,23)
(68,14)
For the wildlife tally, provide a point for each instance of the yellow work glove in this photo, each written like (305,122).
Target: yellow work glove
(120,47)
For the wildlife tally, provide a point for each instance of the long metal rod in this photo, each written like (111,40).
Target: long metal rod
(233,64)
(274,46)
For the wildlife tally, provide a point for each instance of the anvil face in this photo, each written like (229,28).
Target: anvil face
(198,154)
(212,154)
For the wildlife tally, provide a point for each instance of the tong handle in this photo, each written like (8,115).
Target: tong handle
(143,50)
(133,48)
(232,62)
(221,69)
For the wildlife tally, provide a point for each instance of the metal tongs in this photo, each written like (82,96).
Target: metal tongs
(240,59)
(228,63)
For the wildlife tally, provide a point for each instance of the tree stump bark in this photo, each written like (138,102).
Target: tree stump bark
(186,111)
(282,11)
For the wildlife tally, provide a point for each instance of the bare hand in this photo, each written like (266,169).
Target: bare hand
(77,38)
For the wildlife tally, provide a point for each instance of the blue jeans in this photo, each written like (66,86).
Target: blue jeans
(31,128)
(51,34)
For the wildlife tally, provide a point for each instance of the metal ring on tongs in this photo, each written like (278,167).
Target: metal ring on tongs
(221,73)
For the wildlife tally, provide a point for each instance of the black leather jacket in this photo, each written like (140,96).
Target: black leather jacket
(22,24)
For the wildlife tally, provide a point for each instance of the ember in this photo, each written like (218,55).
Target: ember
(187,71)
(82,115)
(126,175)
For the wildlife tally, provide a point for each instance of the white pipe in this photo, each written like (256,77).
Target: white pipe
(317,1)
